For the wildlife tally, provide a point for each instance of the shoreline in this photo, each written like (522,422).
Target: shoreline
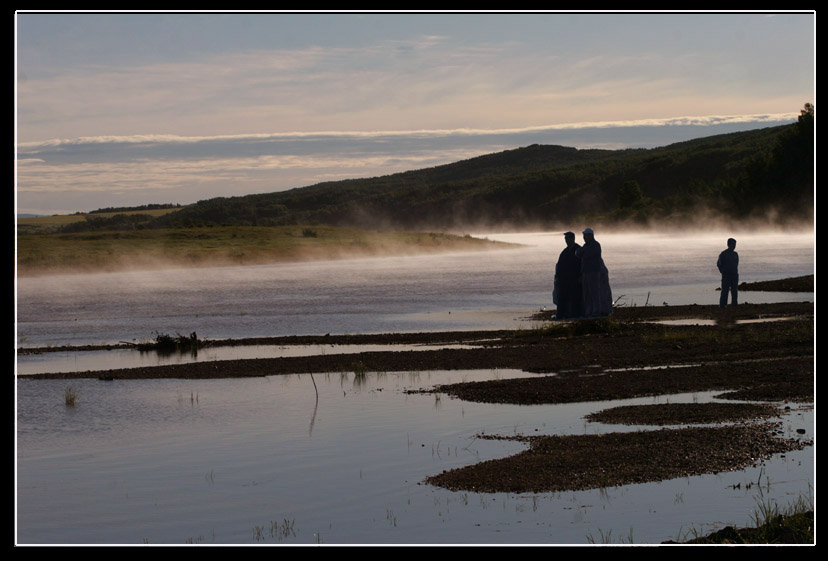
(623,314)
(749,352)
(631,338)
(51,254)
(581,462)
(755,352)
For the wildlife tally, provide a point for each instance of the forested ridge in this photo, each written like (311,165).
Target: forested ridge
(760,174)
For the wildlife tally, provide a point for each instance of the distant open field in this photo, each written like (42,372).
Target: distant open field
(45,224)
(48,253)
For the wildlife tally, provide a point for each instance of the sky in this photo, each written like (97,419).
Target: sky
(131,108)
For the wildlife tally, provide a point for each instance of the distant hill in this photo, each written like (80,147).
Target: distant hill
(738,176)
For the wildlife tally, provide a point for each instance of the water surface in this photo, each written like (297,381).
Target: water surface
(219,461)
(458,291)
(266,461)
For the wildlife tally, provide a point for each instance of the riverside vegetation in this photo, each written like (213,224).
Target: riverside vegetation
(108,250)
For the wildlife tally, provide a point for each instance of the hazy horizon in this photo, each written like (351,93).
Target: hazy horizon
(127,109)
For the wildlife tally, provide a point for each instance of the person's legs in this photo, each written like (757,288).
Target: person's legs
(730,286)
(564,304)
(725,290)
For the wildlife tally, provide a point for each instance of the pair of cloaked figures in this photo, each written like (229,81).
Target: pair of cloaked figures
(581,288)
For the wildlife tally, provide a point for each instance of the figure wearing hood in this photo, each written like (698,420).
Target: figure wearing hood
(597,294)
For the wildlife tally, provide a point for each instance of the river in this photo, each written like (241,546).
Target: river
(457,291)
(266,461)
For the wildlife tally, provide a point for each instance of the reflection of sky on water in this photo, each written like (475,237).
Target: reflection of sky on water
(169,460)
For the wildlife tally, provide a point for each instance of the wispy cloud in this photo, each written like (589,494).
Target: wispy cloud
(394,84)
(200,106)
(35,147)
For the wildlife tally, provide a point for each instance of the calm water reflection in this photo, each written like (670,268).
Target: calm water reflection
(169,461)
(263,461)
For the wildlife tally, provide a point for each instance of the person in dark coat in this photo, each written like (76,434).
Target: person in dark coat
(597,294)
(567,284)
(728,265)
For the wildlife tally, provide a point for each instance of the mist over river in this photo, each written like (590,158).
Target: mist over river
(454,291)
(336,458)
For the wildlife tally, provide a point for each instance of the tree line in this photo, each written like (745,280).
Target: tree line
(736,176)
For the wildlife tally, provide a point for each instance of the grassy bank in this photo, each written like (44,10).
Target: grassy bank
(45,253)
(772,524)
(49,224)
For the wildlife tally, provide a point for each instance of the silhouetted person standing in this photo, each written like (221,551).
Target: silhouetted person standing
(597,295)
(728,265)
(567,291)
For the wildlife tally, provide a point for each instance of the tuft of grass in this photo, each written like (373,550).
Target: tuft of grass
(166,343)
(360,369)
(280,530)
(793,524)
(576,328)
(606,539)
(70,396)
(194,541)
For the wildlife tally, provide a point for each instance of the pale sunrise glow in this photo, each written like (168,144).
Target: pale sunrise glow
(133,106)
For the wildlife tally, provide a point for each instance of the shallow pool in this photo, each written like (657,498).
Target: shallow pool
(266,461)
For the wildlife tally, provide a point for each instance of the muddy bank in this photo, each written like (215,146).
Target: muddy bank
(723,355)
(565,463)
(771,361)
(684,413)
(627,355)
(783,379)
(419,338)
(745,311)
(793,284)
(622,315)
